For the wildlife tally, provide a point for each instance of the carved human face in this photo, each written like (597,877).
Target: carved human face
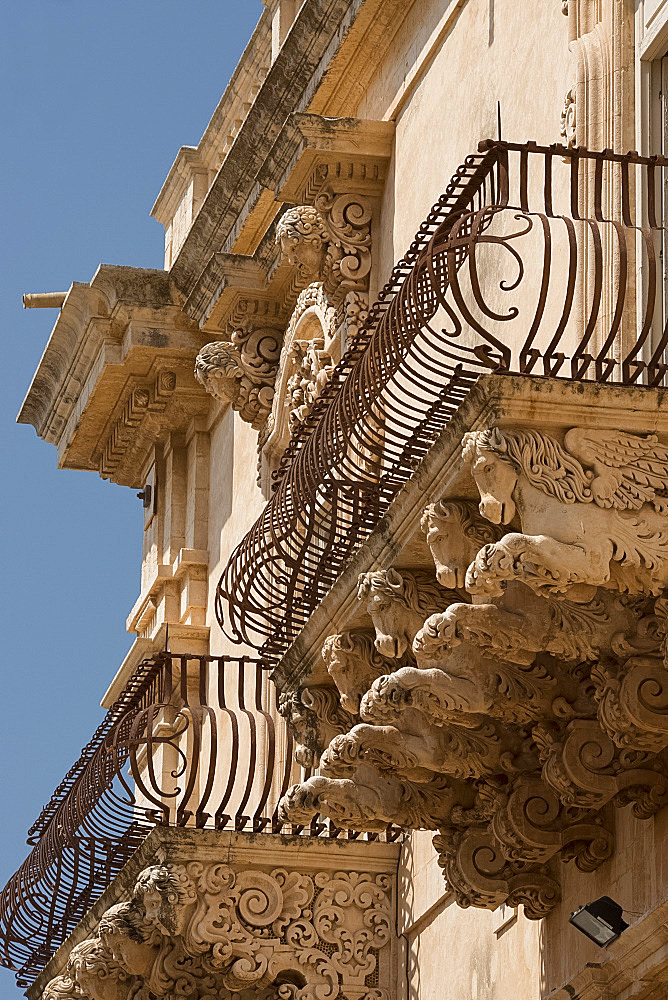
(304,254)
(152,902)
(496,479)
(136,957)
(450,549)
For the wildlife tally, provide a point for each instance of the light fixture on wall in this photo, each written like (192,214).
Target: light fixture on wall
(601,921)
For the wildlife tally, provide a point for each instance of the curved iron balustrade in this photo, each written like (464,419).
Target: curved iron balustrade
(190,742)
(515,218)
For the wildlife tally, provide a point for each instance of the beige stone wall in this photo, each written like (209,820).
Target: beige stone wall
(452,953)
(448,65)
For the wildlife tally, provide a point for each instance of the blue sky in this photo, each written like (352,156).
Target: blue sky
(97,97)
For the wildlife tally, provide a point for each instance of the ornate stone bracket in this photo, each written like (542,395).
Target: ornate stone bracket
(330,242)
(242,371)
(203,929)
(534,692)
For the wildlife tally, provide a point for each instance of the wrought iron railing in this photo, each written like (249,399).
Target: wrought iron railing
(527,264)
(192,741)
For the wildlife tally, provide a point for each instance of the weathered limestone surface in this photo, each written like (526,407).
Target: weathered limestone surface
(203,914)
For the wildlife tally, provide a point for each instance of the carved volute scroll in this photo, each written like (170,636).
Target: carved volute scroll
(512,698)
(242,371)
(330,242)
(202,929)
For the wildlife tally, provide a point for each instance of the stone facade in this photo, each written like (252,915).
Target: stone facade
(488,669)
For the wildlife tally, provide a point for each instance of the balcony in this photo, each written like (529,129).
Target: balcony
(526,266)
(193,741)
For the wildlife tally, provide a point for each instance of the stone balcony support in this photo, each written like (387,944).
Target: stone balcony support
(202,913)
(513,692)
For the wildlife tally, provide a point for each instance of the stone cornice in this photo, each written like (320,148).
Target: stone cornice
(249,74)
(311,155)
(327,37)
(116,370)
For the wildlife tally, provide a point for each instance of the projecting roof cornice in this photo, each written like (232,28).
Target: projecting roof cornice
(311,155)
(324,58)
(115,373)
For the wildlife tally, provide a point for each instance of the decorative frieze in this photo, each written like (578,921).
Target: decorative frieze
(203,929)
(533,686)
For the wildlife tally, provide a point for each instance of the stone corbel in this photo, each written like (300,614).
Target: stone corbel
(329,242)
(315,717)
(543,698)
(242,370)
(398,603)
(204,929)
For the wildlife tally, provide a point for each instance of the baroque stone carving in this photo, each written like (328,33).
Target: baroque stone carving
(606,522)
(568,112)
(242,371)
(62,988)
(535,694)
(353,663)
(97,975)
(312,367)
(315,716)
(329,241)
(369,800)
(397,604)
(202,930)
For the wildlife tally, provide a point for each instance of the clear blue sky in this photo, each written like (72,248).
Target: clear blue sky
(97,97)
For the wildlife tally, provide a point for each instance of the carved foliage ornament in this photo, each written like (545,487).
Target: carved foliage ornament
(203,930)
(242,371)
(513,719)
(311,369)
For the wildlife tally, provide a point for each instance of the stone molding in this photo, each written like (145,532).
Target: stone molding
(116,373)
(538,693)
(203,926)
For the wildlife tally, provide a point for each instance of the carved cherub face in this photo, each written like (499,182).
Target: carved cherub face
(302,239)
(125,933)
(164,902)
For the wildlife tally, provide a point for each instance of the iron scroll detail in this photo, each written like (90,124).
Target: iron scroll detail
(514,217)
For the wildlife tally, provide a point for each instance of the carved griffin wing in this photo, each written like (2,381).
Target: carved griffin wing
(629,469)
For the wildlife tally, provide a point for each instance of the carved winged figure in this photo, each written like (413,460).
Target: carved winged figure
(591,511)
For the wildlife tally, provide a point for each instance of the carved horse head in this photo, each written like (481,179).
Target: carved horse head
(494,471)
(398,605)
(455,534)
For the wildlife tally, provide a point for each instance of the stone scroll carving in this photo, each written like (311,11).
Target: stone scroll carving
(242,371)
(204,930)
(329,241)
(532,688)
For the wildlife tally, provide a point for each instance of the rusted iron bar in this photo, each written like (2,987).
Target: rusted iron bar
(524,267)
(192,741)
